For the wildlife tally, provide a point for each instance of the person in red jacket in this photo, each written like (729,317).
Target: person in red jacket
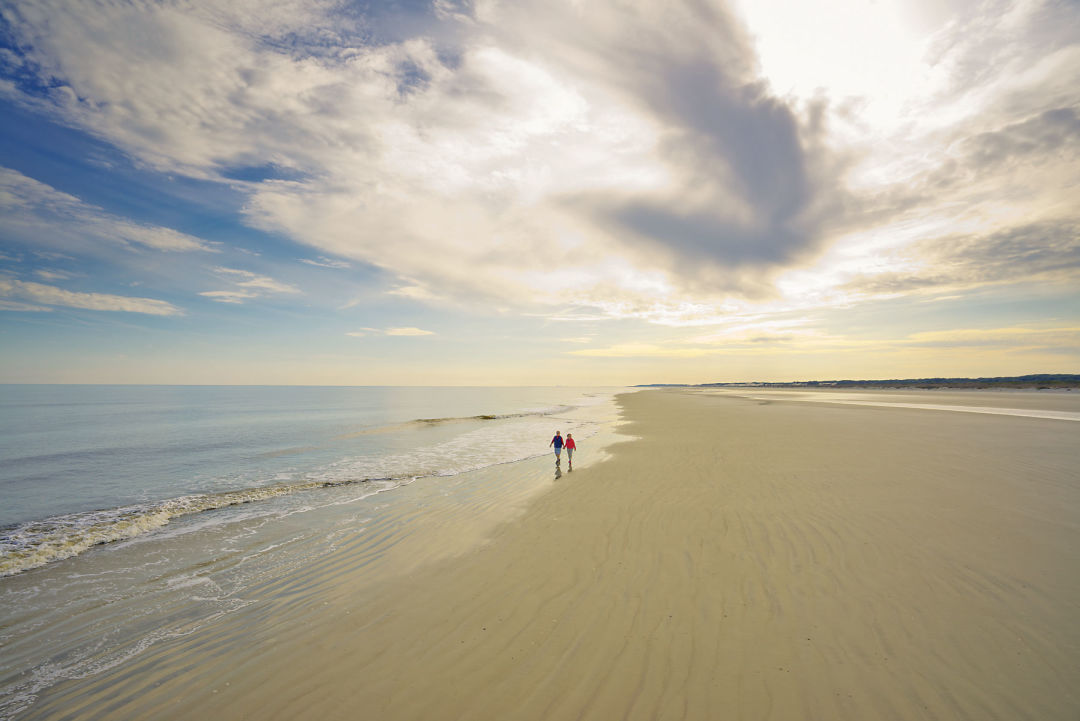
(570,448)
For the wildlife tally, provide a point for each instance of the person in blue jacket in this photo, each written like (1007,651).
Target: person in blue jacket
(557,441)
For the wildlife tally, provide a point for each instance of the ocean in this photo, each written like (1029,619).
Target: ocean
(130,515)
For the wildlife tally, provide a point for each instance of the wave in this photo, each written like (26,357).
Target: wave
(36,543)
(418,423)
(32,544)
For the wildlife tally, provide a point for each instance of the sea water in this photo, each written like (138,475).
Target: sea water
(134,514)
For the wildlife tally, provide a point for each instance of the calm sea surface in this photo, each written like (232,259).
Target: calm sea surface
(132,514)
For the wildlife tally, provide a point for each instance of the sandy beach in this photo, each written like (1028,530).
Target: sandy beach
(735,558)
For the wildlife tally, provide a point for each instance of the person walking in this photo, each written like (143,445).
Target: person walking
(570,448)
(557,441)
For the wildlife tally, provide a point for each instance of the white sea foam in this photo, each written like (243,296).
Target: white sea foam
(513,438)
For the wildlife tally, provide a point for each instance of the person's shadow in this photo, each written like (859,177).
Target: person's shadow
(558,472)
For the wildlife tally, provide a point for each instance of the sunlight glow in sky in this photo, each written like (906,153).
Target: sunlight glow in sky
(487,192)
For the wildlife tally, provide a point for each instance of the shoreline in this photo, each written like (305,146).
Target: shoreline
(208,574)
(748,559)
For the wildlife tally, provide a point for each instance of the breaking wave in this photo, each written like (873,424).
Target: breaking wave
(33,544)
(418,423)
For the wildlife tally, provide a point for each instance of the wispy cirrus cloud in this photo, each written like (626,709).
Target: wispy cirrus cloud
(403,331)
(38,211)
(17,307)
(229,296)
(1020,338)
(323,262)
(48,295)
(53,275)
(643,350)
(247,286)
(408,331)
(1060,341)
(1047,251)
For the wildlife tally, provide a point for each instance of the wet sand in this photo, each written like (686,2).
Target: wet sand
(740,559)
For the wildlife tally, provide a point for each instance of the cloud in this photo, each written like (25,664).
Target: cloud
(254,281)
(407,331)
(46,274)
(415,292)
(1054,131)
(741,175)
(1015,337)
(998,57)
(51,295)
(643,350)
(626,160)
(228,296)
(1063,340)
(323,262)
(13,306)
(248,286)
(39,210)
(1049,252)
(467,145)
(757,329)
(198,65)
(744,195)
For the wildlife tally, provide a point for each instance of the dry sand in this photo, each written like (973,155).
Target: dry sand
(741,559)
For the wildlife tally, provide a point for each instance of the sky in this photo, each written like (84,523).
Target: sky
(490,192)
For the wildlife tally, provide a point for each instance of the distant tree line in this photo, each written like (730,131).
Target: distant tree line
(1041,381)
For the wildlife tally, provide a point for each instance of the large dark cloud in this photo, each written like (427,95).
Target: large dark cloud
(743,148)
(749,173)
